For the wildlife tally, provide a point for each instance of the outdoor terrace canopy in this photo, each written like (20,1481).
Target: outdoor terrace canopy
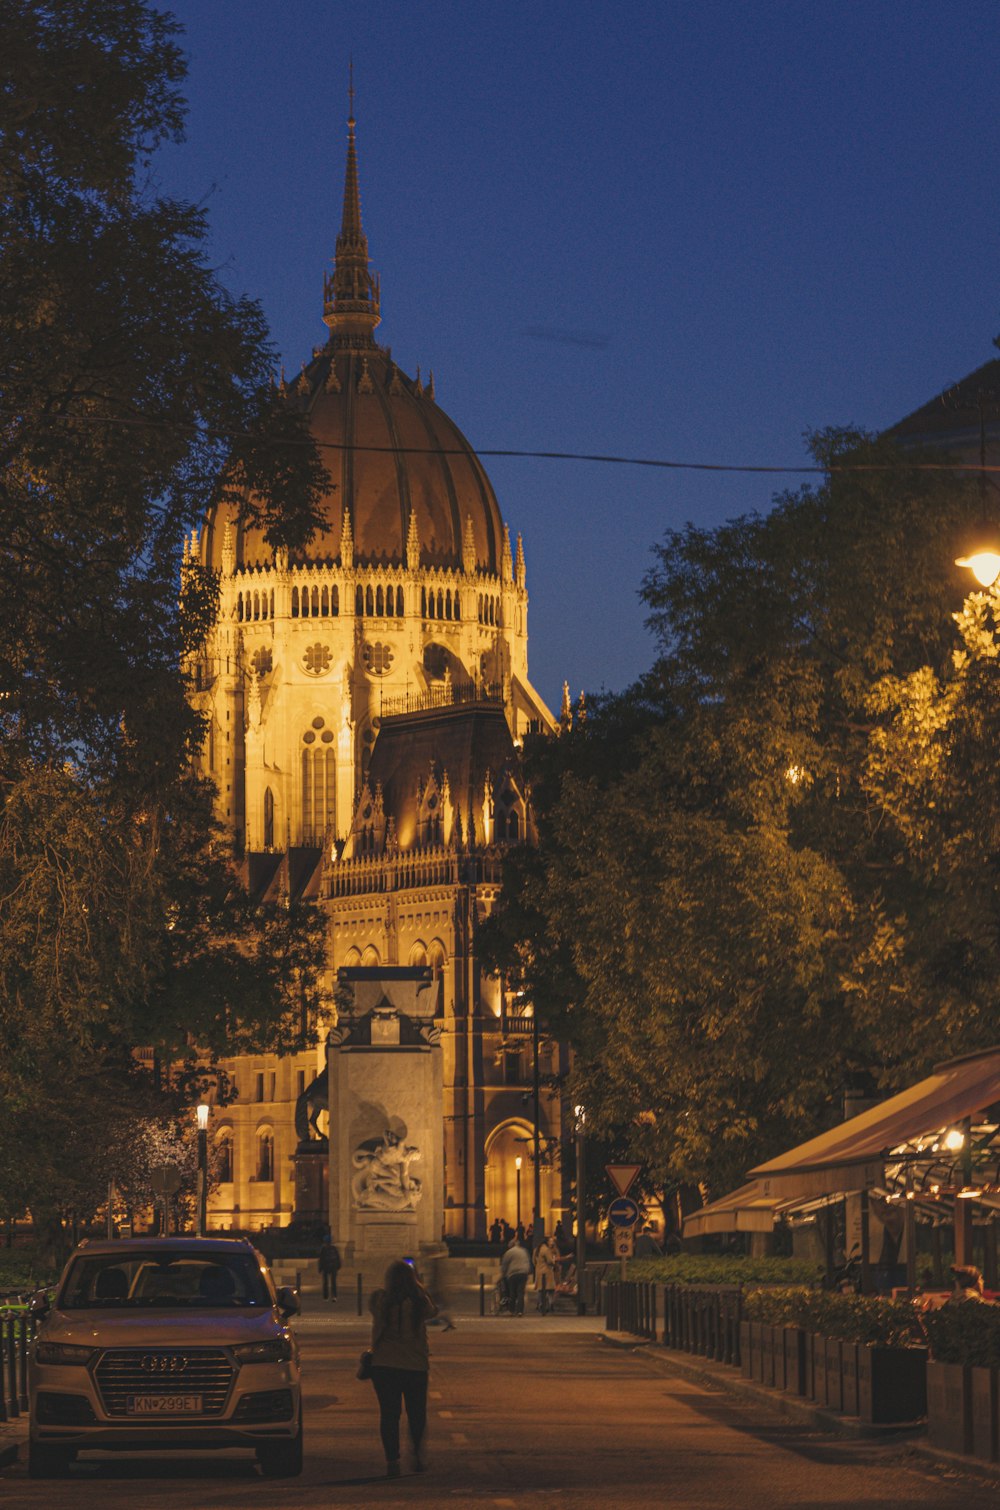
(859,1155)
(853,1156)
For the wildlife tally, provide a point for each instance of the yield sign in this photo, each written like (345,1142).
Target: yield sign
(622,1176)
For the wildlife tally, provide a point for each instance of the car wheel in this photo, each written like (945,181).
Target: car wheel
(47,1462)
(282,1460)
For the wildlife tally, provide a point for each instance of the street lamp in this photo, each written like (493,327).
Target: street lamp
(581,1229)
(202,1220)
(984,566)
(517,1166)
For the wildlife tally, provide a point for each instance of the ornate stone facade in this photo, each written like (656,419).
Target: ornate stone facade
(365,701)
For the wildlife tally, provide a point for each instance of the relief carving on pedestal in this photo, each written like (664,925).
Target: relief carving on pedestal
(383,1181)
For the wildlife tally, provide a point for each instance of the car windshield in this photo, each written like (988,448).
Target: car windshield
(154,1277)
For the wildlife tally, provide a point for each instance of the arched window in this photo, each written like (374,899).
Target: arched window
(239,607)
(359,601)
(263,605)
(268,818)
(319,782)
(423,602)
(324,602)
(352,958)
(513,827)
(447,604)
(369,602)
(430,604)
(370,959)
(379,604)
(440,604)
(224,1155)
(399,602)
(272,602)
(265,1154)
(436,957)
(458,605)
(295,602)
(418,956)
(334,601)
(315,602)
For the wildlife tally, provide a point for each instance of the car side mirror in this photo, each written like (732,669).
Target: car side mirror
(288,1301)
(39,1305)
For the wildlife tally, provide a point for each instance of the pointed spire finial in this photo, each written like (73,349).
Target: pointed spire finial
(506,559)
(519,567)
(346,540)
(566,711)
(351,292)
(412,543)
(469,547)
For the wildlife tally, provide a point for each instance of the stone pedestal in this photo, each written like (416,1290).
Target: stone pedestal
(386,1130)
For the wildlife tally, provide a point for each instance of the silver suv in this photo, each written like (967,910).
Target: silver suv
(166,1343)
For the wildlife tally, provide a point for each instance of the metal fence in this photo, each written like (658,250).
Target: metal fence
(700,1319)
(17,1328)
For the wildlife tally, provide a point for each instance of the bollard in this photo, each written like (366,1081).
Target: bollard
(482,1294)
(360,1282)
(13,1407)
(298,1283)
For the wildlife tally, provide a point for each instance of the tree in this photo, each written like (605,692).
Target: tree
(722,891)
(135,393)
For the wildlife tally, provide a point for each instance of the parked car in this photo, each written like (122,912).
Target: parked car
(165,1344)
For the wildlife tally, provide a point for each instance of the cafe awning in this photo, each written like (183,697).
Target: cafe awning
(853,1155)
(743,1210)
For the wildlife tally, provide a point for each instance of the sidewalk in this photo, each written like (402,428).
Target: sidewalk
(909,1437)
(13,1435)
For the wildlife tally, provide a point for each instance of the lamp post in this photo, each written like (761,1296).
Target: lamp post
(581,1228)
(202,1219)
(517,1166)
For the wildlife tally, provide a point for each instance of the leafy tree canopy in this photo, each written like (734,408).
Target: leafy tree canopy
(135,392)
(725,912)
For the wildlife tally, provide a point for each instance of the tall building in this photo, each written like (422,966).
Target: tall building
(366,699)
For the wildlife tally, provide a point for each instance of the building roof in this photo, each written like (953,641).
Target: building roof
(391,451)
(469,743)
(951,420)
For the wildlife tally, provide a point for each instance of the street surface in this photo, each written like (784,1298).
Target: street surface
(526,1411)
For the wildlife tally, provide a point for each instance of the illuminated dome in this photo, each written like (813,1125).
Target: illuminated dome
(390,451)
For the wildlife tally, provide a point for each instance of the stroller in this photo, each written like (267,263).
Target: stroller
(500,1300)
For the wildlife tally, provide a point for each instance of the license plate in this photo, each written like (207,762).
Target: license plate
(163,1405)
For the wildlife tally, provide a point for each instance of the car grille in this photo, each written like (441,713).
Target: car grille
(164,1371)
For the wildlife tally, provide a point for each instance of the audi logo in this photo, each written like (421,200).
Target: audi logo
(163,1363)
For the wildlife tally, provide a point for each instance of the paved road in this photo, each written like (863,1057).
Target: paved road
(525,1412)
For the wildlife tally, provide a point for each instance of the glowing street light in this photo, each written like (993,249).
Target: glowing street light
(517,1166)
(202,1112)
(984,566)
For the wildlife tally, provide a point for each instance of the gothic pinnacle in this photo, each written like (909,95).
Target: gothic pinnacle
(468,547)
(351,294)
(412,543)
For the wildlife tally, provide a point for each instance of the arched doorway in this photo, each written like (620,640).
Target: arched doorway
(505,1145)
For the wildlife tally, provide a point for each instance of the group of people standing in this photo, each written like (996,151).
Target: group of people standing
(552,1267)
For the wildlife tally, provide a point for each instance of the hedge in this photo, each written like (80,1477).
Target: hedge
(730,1269)
(850,1318)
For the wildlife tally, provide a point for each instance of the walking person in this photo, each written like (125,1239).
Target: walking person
(515,1266)
(329,1267)
(546,1259)
(401,1360)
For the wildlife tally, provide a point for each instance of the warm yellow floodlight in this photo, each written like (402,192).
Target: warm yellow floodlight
(984,566)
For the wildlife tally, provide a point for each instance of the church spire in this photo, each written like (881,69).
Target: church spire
(351,292)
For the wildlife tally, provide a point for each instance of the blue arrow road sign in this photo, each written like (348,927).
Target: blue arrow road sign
(623,1212)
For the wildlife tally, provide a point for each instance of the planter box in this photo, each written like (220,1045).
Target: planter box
(767,1355)
(794,1345)
(949,1407)
(892,1384)
(983,1385)
(810,1377)
(756,1352)
(849,1378)
(745,1358)
(834,1377)
(819,1368)
(779,1357)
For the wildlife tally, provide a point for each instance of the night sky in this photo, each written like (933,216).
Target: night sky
(689,231)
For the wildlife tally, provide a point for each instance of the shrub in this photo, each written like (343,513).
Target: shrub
(849,1318)
(727,1269)
(966,1332)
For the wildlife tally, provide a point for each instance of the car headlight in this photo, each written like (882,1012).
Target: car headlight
(277,1351)
(63,1352)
